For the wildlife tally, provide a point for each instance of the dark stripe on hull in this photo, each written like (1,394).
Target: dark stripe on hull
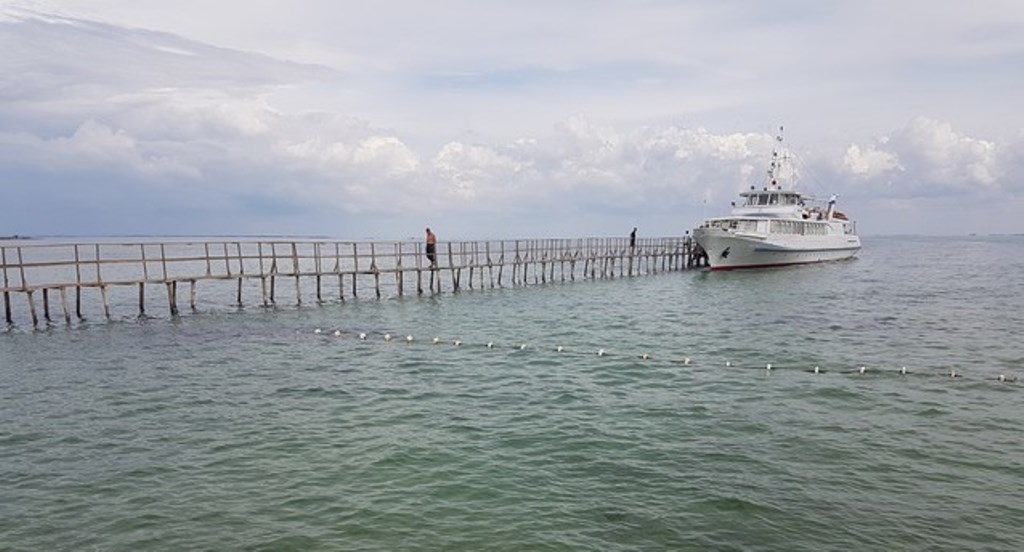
(774,265)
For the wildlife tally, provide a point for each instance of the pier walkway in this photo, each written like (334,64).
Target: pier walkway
(49,278)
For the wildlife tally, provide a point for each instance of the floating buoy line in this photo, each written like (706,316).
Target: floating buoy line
(768,368)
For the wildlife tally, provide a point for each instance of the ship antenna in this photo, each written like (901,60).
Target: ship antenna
(777,160)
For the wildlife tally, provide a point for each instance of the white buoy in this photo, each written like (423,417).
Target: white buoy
(817,370)
(600,352)
(362,335)
(863,369)
(437,340)
(316,331)
(768,367)
(686,361)
(337,333)
(1001,377)
(645,356)
(903,370)
(387,337)
(456,343)
(490,344)
(728,364)
(408,338)
(522,347)
(559,349)
(954,374)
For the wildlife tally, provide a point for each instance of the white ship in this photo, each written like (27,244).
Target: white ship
(777,227)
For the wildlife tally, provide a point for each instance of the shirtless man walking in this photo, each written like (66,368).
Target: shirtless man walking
(431,248)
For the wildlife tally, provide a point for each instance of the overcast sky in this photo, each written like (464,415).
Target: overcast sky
(499,119)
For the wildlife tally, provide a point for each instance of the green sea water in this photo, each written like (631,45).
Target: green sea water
(260,429)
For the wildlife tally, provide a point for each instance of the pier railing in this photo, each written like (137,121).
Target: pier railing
(60,272)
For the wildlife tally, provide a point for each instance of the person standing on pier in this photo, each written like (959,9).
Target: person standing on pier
(431,248)
(632,239)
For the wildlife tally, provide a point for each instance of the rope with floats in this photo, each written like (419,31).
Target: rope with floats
(646,356)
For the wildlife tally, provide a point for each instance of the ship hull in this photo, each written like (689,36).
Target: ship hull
(730,250)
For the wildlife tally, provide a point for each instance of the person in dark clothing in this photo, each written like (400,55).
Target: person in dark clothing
(632,239)
(431,248)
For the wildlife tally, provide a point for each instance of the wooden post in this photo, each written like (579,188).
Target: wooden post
(172,297)
(64,304)
(227,264)
(451,267)
(142,298)
(317,268)
(163,259)
(561,262)
(142,259)
(241,269)
(78,284)
(399,273)
(46,304)
(32,308)
(103,287)
(295,269)
(273,273)
(490,265)
(553,256)
(263,274)
(501,263)
(515,265)
(192,294)
(337,270)
(7,294)
(374,269)
(106,302)
(355,267)
(28,292)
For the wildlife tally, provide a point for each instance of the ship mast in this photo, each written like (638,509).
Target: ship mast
(776,164)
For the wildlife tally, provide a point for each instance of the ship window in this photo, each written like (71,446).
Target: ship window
(773,199)
(762,199)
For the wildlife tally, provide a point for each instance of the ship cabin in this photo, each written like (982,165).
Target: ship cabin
(771,198)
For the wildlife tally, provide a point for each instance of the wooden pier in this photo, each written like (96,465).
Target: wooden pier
(50,277)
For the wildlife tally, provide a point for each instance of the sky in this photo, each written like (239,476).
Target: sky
(496,119)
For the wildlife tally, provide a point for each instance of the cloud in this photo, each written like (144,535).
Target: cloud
(870,161)
(928,157)
(532,120)
(91,145)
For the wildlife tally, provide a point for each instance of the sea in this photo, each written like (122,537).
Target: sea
(634,413)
